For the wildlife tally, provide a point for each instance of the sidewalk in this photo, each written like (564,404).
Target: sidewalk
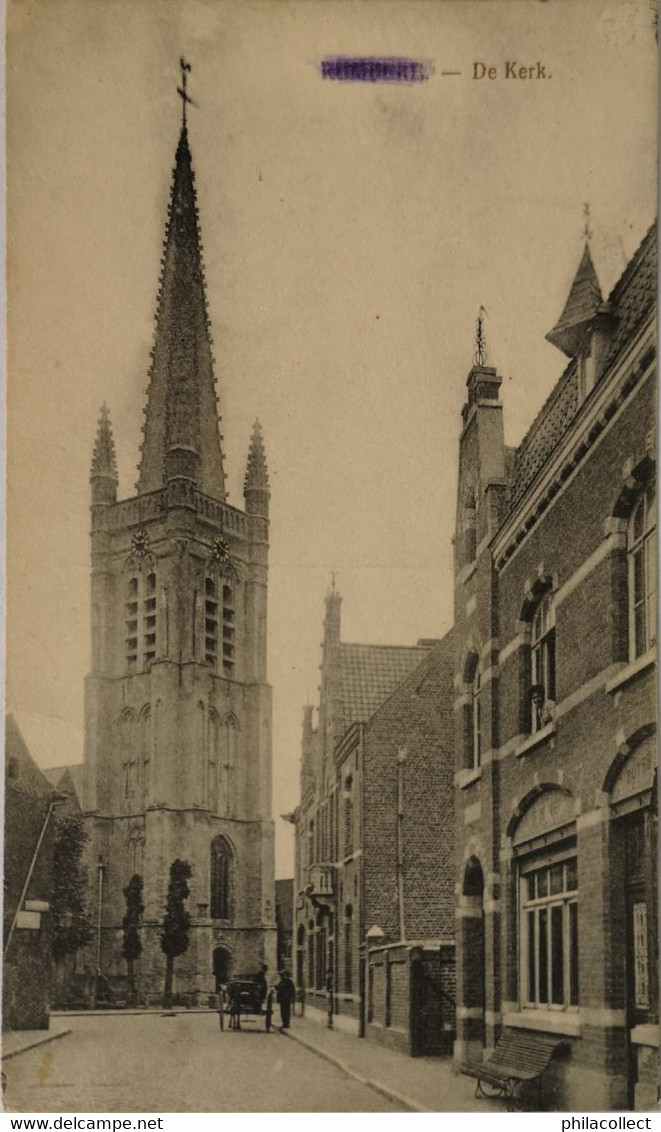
(420,1084)
(18,1041)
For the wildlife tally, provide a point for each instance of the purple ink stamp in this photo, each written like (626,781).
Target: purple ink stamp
(375,69)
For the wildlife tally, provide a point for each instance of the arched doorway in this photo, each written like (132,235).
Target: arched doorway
(632,786)
(471,961)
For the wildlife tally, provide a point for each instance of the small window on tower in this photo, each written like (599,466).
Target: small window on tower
(228,631)
(211,623)
(131,623)
(149,621)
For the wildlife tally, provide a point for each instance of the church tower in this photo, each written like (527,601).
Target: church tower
(178,708)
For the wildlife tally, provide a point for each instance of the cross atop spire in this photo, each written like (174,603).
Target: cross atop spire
(587,231)
(181,90)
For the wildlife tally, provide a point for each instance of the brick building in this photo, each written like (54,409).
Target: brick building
(555,706)
(178,708)
(374,840)
(28,860)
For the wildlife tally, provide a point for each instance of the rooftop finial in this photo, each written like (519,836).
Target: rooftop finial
(181,90)
(587,231)
(481,351)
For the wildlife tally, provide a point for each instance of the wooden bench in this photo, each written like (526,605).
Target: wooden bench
(518,1060)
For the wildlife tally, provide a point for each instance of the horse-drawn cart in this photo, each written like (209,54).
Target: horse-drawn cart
(245,996)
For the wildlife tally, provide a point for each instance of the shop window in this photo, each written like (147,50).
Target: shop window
(549,934)
(642,574)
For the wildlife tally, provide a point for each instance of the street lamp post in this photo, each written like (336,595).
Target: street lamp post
(101,867)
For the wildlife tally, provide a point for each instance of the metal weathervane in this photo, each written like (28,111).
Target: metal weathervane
(481,351)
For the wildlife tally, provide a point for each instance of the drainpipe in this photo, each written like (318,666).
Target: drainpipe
(401,759)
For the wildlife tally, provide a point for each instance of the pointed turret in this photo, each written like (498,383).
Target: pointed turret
(103,476)
(256,483)
(585,299)
(181,436)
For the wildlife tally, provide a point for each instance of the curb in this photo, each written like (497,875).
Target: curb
(34,1044)
(390,1094)
(155,1011)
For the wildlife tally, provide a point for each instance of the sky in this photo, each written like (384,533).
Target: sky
(351,232)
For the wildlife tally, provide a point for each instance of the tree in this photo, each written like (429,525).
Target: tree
(176,922)
(132,945)
(71,925)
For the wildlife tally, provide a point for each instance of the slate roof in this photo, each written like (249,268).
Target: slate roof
(583,301)
(21,771)
(370,673)
(632,299)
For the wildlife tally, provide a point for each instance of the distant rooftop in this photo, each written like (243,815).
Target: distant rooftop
(370,673)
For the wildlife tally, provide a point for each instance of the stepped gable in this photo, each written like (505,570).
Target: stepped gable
(370,673)
(631,299)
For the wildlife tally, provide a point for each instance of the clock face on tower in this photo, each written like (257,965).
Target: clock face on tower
(221,552)
(140,544)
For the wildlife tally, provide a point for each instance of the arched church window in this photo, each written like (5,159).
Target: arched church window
(211,622)
(229,630)
(229,765)
(221,879)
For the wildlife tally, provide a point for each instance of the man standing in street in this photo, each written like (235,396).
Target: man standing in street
(286,995)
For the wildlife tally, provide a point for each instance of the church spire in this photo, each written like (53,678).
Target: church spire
(256,482)
(181,436)
(103,475)
(584,301)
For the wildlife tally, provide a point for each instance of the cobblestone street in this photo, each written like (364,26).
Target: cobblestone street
(150,1063)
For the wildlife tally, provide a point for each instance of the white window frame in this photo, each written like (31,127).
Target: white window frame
(475,737)
(530,997)
(643,547)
